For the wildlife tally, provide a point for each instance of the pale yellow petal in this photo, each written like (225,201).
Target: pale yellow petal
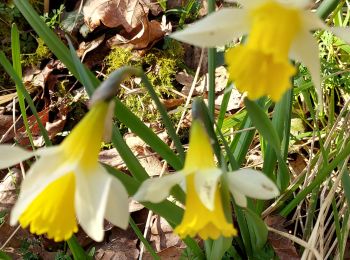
(117,208)
(92,189)
(206,182)
(157,189)
(11,155)
(239,198)
(253,184)
(305,50)
(216,29)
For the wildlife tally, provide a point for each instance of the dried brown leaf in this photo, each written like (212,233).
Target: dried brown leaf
(149,33)
(122,245)
(114,13)
(283,247)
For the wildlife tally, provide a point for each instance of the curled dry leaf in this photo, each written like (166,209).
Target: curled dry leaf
(114,13)
(85,47)
(150,32)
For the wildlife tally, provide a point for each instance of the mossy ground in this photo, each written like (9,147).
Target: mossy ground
(160,67)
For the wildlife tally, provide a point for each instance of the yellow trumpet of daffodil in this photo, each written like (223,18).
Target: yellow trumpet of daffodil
(204,215)
(67,185)
(278,30)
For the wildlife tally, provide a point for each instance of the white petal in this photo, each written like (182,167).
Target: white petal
(301,4)
(249,3)
(157,189)
(44,171)
(92,189)
(206,182)
(253,184)
(342,32)
(240,199)
(216,29)
(117,208)
(10,155)
(305,49)
(312,22)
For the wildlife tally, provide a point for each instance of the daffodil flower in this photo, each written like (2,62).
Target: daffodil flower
(67,185)
(278,30)
(204,214)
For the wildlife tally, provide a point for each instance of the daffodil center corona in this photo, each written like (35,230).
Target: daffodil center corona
(199,220)
(52,211)
(274,26)
(261,66)
(84,143)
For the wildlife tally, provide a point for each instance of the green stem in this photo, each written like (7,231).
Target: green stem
(9,69)
(211,68)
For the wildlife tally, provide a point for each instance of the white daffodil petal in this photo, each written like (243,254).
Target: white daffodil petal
(250,3)
(342,32)
(206,183)
(44,171)
(218,28)
(158,189)
(92,189)
(312,22)
(253,184)
(117,208)
(301,4)
(305,49)
(240,199)
(11,155)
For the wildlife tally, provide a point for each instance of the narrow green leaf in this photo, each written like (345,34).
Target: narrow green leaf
(263,124)
(9,69)
(258,230)
(325,170)
(266,129)
(224,104)
(166,120)
(346,185)
(146,134)
(49,37)
(143,239)
(16,63)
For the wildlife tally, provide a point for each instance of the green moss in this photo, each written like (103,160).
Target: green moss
(34,59)
(119,57)
(160,67)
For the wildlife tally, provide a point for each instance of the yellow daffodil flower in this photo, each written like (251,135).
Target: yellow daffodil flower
(204,215)
(278,30)
(67,185)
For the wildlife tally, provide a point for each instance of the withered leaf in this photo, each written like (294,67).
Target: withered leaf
(150,32)
(114,13)
(283,247)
